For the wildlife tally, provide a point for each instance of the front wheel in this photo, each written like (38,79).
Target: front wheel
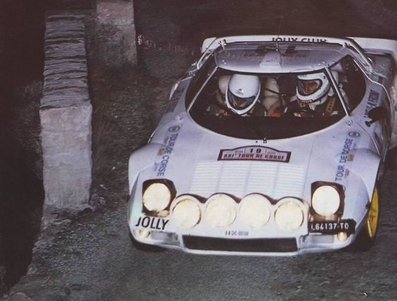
(366,237)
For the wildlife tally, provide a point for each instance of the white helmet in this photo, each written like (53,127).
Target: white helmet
(242,93)
(312,87)
(223,83)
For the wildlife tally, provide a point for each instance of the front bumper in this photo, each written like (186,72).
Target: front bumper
(236,239)
(253,246)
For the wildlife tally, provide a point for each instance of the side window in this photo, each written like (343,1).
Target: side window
(211,98)
(199,79)
(350,81)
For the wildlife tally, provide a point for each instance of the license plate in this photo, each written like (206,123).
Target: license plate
(348,226)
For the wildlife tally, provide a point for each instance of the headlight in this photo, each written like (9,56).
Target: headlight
(289,215)
(220,210)
(326,200)
(186,212)
(156,197)
(254,210)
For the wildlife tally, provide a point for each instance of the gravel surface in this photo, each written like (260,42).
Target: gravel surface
(89,256)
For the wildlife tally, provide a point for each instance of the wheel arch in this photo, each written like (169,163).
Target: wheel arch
(368,166)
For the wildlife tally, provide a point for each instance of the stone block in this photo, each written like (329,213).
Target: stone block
(67,164)
(116,34)
(65,114)
(115,12)
(116,46)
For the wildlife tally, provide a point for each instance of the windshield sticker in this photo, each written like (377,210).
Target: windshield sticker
(254,153)
(299,39)
(346,155)
(152,223)
(167,150)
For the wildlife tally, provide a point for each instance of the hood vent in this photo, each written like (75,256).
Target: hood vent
(243,177)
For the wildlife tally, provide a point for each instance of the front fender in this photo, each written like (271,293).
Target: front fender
(366,166)
(139,160)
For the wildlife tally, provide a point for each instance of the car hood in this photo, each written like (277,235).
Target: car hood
(201,162)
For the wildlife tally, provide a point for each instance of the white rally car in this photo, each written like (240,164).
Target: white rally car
(280,180)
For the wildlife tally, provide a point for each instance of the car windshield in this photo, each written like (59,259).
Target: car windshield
(288,105)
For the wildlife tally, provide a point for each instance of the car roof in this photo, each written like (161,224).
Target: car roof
(280,54)
(277,58)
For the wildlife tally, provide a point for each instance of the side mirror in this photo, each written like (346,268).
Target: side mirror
(376,114)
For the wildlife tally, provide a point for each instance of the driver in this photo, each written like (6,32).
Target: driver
(314,97)
(243,93)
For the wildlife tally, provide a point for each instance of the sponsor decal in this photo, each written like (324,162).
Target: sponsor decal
(254,153)
(372,102)
(154,223)
(174,129)
(299,39)
(236,233)
(166,151)
(346,155)
(354,134)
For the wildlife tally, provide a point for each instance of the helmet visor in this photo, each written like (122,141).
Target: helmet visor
(308,87)
(240,103)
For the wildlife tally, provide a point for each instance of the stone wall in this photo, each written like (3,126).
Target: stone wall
(116,34)
(66,114)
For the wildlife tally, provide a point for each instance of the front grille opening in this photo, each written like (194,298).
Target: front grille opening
(282,245)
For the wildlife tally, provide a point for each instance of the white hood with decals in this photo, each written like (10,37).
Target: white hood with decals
(201,162)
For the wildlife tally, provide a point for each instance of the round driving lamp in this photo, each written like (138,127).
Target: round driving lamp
(156,197)
(186,212)
(220,211)
(326,200)
(289,215)
(254,210)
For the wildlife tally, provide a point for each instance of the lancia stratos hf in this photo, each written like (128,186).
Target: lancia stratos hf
(271,145)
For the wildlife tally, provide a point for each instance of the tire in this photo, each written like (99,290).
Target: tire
(367,235)
(145,247)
